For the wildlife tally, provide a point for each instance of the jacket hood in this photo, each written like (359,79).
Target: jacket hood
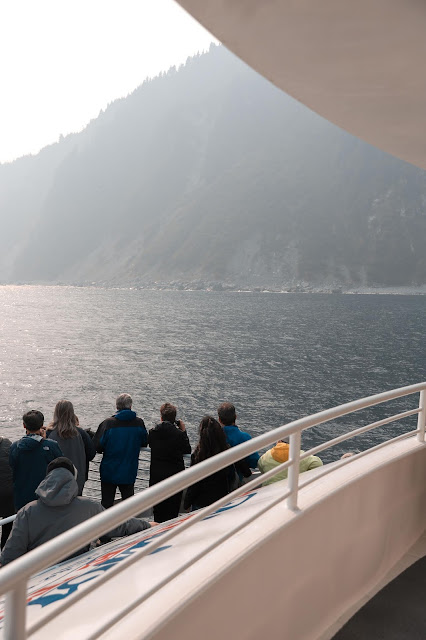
(58,488)
(27,443)
(280,452)
(125,414)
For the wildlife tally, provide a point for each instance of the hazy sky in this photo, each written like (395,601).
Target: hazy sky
(61,61)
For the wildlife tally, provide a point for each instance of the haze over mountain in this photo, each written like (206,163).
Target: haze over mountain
(210,174)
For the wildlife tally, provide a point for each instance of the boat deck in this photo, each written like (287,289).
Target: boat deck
(394,609)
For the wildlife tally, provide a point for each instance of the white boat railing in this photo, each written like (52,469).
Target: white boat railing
(145,453)
(7,520)
(14,577)
(92,488)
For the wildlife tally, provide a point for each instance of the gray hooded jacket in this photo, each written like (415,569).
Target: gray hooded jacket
(57,509)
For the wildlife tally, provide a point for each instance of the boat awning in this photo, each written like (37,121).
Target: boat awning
(358,64)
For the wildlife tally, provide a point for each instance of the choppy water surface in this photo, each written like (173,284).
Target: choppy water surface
(276,356)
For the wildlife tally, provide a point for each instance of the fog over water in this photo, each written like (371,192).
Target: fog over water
(277,357)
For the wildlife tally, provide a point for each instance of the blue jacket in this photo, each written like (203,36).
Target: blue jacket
(29,458)
(235,436)
(120,439)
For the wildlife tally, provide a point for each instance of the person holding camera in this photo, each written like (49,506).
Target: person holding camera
(168,442)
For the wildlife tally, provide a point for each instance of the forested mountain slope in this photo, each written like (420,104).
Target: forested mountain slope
(211,174)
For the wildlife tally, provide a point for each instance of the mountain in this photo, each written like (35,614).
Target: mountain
(209,174)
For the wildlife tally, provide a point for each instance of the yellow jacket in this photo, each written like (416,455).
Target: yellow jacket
(279,454)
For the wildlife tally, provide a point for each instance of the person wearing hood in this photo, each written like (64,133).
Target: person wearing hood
(120,439)
(29,458)
(58,508)
(279,454)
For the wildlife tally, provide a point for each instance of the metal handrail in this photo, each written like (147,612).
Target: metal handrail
(340,463)
(200,514)
(357,432)
(13,578)
(96,481)
(191,519)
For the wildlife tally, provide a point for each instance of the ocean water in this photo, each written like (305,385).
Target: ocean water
(277,357)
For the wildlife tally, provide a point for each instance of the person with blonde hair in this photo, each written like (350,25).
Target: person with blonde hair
(74,442)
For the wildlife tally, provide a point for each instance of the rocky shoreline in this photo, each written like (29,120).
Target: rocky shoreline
(215,286)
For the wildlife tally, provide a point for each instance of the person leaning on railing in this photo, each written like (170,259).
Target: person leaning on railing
(234,436)
(57,509)
(211,442)
(7,507)
(278,455)
(29,458)
(73,441)
(120,439)
(169,442)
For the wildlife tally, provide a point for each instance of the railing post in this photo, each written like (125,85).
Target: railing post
(15,613)
(293,471)
(421,418)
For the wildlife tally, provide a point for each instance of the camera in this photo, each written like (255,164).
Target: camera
(177,423)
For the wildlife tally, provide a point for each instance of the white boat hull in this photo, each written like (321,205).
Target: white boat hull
(294,572)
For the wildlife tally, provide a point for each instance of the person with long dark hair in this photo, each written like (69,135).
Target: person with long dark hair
(74,442)
(212,441)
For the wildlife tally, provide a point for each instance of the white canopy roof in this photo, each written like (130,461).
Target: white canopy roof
(358,63)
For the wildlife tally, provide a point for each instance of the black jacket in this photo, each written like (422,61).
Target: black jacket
(29,458)
(210,489)
(168,444)
(6,480)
